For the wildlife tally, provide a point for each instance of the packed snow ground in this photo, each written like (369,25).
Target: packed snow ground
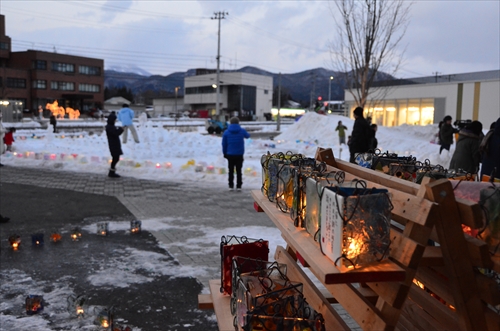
(169,155)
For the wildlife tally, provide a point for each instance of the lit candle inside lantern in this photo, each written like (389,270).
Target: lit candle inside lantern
(76,234)
(168,165)
(15,241)
(104,318)
(102,228)
(53,156)
(34,304)
(158,165)
(37,239)
(135,226)
(55,237)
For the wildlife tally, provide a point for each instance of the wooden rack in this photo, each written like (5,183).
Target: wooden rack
(385,296)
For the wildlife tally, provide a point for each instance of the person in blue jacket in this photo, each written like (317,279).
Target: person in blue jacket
(126,116)
(233,148)
(115,148)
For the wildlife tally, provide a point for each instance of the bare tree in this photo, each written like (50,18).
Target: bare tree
(369,32)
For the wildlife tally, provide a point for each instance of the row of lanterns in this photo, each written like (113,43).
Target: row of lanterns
(77,307)
(191,164)
(262,297)
(350,221)
(37,239)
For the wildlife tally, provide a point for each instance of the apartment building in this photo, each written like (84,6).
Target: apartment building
(36,78)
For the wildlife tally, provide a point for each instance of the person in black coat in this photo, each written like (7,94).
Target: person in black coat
(491,152)
(115,147)
(361,135)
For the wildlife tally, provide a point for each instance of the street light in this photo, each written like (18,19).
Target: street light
(329,91)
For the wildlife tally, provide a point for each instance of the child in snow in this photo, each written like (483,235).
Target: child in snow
(9,138)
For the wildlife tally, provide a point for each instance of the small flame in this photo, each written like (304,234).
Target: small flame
(15,245)
(105,323)
(79,311)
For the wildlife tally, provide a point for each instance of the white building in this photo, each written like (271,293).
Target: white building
(426,100)
(246,95)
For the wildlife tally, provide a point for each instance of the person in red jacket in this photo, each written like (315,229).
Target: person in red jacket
(9,138)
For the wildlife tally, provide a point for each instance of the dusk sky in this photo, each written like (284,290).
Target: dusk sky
(162,37)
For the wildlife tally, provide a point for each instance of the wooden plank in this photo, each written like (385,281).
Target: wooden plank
(205,301)
(407,207)
(433,256)
(309,250)
(404,250)
(495,260)
(316,300)
(434,307)
(470,212)
(325,155)
(492,319)
(457,260)
(436,282)
(221,306)
(420,318)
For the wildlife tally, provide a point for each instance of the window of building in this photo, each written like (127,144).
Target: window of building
(63,67)
(4,46)
(89,88)
(40,64)
(16,82)
(39,84)
(88,70)
(62,86)
(266,91)
(201,89)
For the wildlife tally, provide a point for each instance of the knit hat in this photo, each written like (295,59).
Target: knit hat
(234,120)
(125,105)
(358,111)
(447,118)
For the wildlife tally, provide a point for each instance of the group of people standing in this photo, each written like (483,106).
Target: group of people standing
(473,147)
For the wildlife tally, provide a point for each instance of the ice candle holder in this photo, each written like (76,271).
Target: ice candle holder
(135,226)
(15,241)
(76,234)
(102,228)
(34,304)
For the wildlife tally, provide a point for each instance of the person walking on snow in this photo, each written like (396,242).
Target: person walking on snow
(446,134)
(341,129)
(126,116)
(233,148)
(113,133)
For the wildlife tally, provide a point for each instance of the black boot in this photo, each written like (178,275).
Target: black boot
(112,173)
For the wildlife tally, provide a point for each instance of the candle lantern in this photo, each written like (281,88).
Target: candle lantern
(15,241)
(55,237)
(102,228)
(105,318)
(37,239)
(302,169)
(232,246)
(314,190)
(244,265)
(210,169)
(77,305)
(34,304)
(76,234)
(135,226)
(168,165)
(355,225)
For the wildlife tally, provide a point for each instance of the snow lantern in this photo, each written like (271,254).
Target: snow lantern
(77,305)
(104,318)
(55,237)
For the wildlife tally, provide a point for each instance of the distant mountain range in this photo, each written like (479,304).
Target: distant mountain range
(298,85)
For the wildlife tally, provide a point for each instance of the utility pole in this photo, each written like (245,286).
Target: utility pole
(436,75)
(176,113)
(278,127)
(329,92)
(218,16)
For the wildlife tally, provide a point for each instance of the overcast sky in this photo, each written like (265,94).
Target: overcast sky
(162,37)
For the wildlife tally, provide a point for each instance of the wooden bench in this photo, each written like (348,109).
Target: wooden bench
(386,296)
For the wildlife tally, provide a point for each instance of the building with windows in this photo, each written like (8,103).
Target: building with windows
(242,94)
(36,78)
(426,100)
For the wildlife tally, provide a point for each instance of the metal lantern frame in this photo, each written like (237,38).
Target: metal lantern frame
(34,304)
(232,246)
(103,228)
(135,226)
(15,241)
(76,234)
(356,225)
